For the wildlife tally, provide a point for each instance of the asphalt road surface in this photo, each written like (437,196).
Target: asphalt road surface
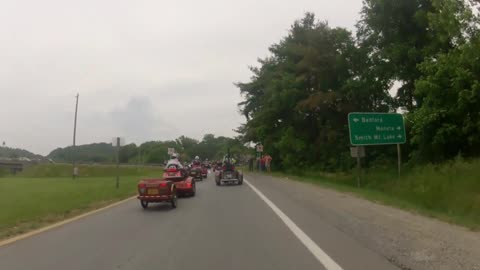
(227,227)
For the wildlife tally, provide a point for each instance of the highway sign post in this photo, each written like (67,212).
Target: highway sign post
(259,149)
(357,151)
(117,142)
(377,129)
(171,152)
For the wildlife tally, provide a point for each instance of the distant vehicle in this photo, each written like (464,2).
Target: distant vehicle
(204,171)
(207,164)
(157,191)
(184,183)
(196,173)
(217,166)
(228,174)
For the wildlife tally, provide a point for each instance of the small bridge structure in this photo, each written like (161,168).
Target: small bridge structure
(12,166)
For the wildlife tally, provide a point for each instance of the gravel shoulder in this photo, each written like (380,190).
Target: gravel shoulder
(407,240)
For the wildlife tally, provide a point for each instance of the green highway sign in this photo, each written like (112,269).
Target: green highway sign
(376,128)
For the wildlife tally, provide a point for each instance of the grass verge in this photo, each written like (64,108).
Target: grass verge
(65,170)
(30,203)
(449,192)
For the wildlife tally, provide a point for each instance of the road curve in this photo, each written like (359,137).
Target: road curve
(227,227)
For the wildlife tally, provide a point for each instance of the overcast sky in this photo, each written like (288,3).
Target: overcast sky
(145,70)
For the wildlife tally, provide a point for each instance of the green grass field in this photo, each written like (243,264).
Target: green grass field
(28,203)
(65,170)
(450,192)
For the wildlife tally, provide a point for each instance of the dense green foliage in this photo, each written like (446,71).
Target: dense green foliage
(96,152)
(298,98)
(210,147)
(153,152)
(448,122)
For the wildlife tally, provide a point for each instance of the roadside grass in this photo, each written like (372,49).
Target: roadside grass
(449,192)
(42,198)
(65,170)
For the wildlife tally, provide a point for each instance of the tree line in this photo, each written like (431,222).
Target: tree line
(153,152)
(15,153)
(426,51)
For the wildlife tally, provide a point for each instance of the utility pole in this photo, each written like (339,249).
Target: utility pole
(75,171)
(139,159)
(118,162)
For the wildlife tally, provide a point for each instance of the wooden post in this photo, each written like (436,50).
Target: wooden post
(399,154)
(259,162)
(359,168)
(118,161)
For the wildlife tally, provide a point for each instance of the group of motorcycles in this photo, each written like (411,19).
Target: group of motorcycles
(225,171)
(180,180)
(198,171)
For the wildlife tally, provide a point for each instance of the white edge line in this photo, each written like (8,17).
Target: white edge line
(60,223)
(319,254)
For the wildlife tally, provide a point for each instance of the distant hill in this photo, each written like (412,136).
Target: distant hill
(95,152)
(16,153)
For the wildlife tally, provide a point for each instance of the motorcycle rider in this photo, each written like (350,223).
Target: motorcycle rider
(228,162)
(197,167)
(205,162)
(174,162)
(196,161)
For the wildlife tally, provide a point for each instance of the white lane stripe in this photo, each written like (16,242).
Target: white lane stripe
(321,256)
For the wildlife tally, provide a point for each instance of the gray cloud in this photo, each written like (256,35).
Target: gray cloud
(138,121)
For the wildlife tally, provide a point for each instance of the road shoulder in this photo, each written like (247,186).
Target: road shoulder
(405,239)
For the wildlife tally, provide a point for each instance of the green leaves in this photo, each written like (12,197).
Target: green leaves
(298,99)
(448,122)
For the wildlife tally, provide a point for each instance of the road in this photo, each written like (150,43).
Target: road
(227,227)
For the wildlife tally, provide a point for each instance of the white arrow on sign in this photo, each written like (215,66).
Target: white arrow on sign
(399,128)
(356,120)
(399,136)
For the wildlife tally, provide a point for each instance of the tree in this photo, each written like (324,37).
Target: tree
(448,123)
(128,153)
(297,101)
(95,152)
(187,145)
(400,35)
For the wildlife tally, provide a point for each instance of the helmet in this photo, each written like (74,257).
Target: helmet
(197,158)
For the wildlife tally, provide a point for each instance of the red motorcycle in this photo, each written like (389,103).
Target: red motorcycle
(196,172)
